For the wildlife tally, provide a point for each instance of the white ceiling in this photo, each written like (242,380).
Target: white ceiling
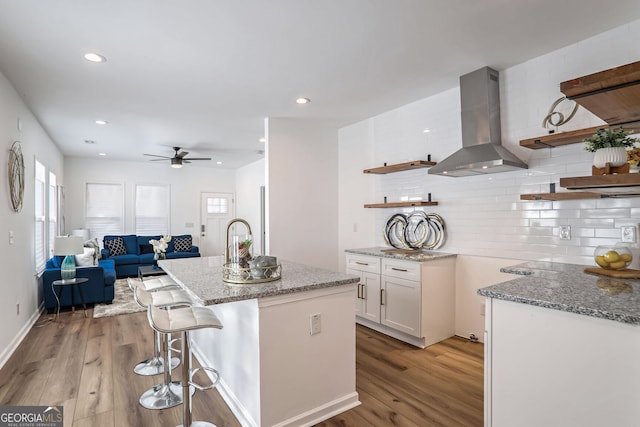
(203,74)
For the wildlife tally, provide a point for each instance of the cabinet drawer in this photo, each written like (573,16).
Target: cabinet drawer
(363,263)
(401,269)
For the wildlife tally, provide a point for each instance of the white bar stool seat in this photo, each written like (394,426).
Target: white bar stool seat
(155,364)
(183,320)
(168,393)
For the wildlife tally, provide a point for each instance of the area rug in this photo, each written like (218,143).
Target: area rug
(123,303)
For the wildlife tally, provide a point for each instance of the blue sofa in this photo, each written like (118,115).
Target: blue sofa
(99,288)
(139,252)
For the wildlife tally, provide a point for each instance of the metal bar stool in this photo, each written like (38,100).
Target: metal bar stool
(168,393)
(155,364)
(184,320)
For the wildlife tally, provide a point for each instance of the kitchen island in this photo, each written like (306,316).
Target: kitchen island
(273,370)
(562,348)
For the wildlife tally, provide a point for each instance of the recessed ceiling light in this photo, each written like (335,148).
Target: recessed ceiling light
(102,154)
(426,130)
(102,122)
(263,139)
(94,57)
(303,100)
(218,162)
(89,141)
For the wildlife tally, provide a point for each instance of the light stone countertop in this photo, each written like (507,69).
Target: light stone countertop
(567,287)
(418,256)
(203,277)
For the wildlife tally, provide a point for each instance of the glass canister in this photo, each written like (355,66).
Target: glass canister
(240,250)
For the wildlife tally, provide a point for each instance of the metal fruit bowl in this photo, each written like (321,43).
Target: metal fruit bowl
(233,273)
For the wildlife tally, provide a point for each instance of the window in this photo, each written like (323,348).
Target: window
(40,216)
(53,211)
(46,214)
(217,205)
(152,207)
(104,209)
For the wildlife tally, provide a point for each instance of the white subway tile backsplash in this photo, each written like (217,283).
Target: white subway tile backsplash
(484,214)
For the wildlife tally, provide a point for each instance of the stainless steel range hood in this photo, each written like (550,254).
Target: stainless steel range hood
(482,151)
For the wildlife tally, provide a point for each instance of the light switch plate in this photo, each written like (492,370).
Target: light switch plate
(565,232)
(628,234)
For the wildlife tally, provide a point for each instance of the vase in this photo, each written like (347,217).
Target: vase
(240,250)
(159,255)
(615,156)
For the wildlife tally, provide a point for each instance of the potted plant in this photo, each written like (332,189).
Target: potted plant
(609,146)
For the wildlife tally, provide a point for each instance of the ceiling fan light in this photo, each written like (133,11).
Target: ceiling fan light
(176,163)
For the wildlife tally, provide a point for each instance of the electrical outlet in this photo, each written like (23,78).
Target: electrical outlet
(316,324)
(565,232)
(628,234)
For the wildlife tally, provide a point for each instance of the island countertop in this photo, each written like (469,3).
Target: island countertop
(567,287)
(418,255)
(203,277)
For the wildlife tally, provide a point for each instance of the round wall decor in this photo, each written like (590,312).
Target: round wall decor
(16,176)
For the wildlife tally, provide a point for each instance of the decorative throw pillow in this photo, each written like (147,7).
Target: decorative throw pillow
(115,246)
(146,249)
(85,259)
(182,244)
(93,243)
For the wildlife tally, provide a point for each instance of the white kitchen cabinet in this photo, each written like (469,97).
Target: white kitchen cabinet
(368,294)
(547,367)
(400,296)
(411,301)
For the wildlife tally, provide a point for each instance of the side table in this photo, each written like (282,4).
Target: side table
(73,283)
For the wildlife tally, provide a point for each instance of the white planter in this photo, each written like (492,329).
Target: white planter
(615,156)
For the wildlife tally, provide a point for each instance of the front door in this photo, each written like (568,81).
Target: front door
(217,209)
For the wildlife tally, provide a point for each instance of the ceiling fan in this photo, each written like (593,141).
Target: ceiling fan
(178,159)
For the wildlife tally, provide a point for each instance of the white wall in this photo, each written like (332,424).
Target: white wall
(186,186)
(484,214)
(249,179)
(20,285)
(303,191)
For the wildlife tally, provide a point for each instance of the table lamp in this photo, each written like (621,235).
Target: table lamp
(68,247)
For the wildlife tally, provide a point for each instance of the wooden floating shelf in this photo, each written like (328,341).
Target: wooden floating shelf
(570,137)
(592,181)
(401,204)
(565,195)
(612,94)
(601,181)
(417,164)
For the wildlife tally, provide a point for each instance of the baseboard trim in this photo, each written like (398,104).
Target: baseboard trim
(323,412)
(418,342)
(15,342)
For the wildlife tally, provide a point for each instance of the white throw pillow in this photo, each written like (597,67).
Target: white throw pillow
(86,259)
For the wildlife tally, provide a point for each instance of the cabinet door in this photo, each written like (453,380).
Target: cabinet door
(368,295)
(359,302)
(400,305)
(371,297)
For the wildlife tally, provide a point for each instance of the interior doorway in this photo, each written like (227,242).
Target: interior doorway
(216,210)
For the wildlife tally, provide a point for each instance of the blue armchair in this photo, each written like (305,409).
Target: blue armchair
(99,288)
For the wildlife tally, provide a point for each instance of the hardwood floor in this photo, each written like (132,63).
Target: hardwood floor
(85,364)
